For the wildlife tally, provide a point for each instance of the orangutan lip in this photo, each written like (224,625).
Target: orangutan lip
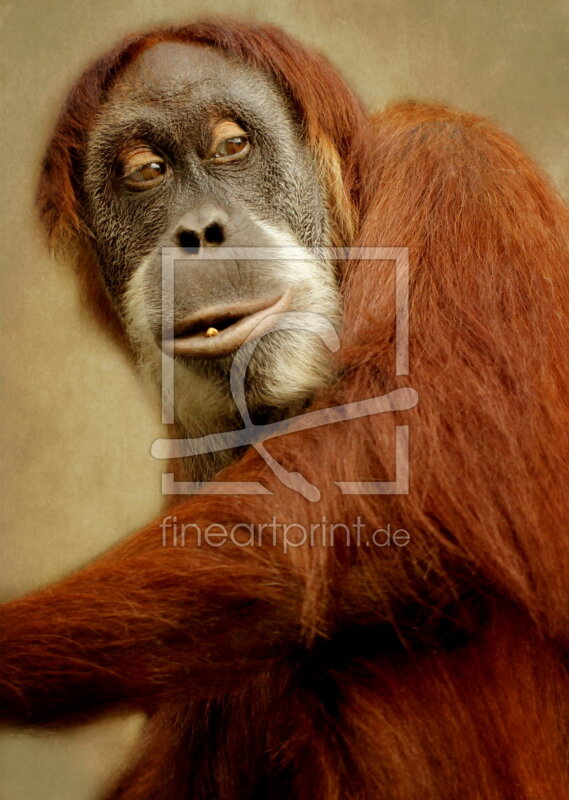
(233,323)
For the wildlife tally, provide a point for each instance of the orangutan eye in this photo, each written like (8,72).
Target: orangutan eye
(146,176)
(229,142)
(228,149)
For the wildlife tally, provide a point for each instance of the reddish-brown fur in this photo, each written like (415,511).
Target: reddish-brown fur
(434,671)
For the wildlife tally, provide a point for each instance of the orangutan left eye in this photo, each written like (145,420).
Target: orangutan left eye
(232,148)
(228,142)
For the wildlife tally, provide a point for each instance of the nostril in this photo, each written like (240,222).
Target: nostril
(190,241)
(213,234)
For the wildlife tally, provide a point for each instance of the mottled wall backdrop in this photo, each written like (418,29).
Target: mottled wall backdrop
(76,427)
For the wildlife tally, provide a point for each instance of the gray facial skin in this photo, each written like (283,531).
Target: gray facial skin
(166,109)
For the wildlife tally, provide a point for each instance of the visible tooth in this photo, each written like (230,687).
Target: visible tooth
(211,332)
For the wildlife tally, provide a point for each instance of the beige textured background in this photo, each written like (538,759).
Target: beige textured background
(76,427)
